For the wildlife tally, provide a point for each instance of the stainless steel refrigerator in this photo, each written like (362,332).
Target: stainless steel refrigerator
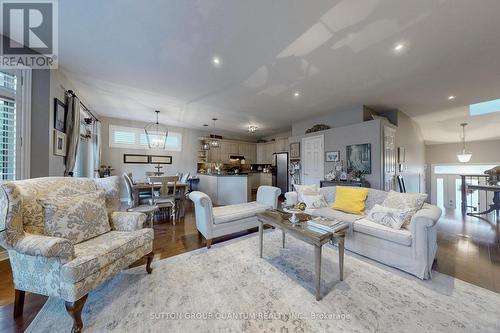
(279,171)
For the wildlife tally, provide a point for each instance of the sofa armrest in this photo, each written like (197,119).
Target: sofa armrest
(268,195)
(425,217)
(203,209)
(45,246)
(127,221)
(292,198)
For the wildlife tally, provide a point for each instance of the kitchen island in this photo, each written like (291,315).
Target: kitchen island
(225,189)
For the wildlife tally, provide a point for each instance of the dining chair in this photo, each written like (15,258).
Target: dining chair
(147,209)
(166,200)
(185,177)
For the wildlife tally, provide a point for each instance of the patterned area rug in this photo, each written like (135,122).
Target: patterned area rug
(229,289)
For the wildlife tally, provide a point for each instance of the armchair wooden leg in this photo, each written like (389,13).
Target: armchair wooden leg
(74,309)
(209,243)
(149,258)
(18,302)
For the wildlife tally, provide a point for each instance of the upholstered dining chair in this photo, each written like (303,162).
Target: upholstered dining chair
(185,177)
(147,208)
(167,198)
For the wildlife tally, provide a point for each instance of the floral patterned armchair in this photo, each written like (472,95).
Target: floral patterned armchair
(56,266)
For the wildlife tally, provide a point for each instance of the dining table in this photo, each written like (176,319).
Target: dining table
(147,186)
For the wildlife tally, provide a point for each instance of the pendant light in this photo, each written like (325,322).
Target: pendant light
(206,144)
(156,134)
(464,156)
(214,143)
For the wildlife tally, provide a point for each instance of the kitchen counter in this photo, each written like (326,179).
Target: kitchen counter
(225,189)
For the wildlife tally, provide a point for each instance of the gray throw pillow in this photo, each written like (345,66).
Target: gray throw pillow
(76,218)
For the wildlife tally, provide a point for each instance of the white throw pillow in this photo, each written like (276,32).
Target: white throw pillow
(390,217)
(405,201)
(315,201)
(305,190)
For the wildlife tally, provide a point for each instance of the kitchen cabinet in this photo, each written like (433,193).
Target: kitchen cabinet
(229,148)
(266,179)
(214,155)
(223,189)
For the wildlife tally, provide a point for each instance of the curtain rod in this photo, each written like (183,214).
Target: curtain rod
(84,106)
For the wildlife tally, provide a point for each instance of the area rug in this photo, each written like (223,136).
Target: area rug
(230,289)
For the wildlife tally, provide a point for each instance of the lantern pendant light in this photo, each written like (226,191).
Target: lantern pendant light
(214,143)
(156,134)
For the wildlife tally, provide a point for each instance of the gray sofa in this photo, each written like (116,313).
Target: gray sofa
(411,249)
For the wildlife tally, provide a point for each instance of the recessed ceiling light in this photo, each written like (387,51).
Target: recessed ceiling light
(216,61)
(296,94)
(252,128)
(399,47)
(451,97)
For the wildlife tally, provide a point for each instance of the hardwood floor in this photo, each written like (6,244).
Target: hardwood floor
(469,249)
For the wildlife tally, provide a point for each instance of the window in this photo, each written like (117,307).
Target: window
(15,123)
(135,138)
(486,107)
(8,87)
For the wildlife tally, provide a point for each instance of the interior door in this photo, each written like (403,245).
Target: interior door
(389,158)
(313,163)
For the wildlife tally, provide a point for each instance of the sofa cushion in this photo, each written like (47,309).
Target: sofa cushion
(390,217)
(76,218)
(374,197)
(405,201)
(334,214)
(103,250)
(314,201)
(350,199)
(306,190)
(225,214)
(328,193)
(365,226)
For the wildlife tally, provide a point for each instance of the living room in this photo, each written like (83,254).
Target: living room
(250,166)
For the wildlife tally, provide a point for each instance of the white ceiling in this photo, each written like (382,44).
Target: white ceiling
(128,58)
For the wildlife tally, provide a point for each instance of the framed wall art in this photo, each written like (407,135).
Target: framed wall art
(295,150)
(59,143)
(60,111)
(332,156)
(359,158)
(135,159)
(158,159)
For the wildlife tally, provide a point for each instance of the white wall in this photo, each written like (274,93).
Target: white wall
(482,152)
(409,136)
(333,119)
(362,132)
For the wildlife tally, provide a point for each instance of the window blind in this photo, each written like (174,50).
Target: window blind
(8,84)
(135,138)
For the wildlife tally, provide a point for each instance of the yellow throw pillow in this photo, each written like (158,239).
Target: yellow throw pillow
(350,199)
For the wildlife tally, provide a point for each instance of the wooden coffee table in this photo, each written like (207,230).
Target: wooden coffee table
(306,233)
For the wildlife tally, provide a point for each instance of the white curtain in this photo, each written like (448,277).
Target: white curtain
(96,147)
(72,134)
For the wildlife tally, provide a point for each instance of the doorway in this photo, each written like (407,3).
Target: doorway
(313,162)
